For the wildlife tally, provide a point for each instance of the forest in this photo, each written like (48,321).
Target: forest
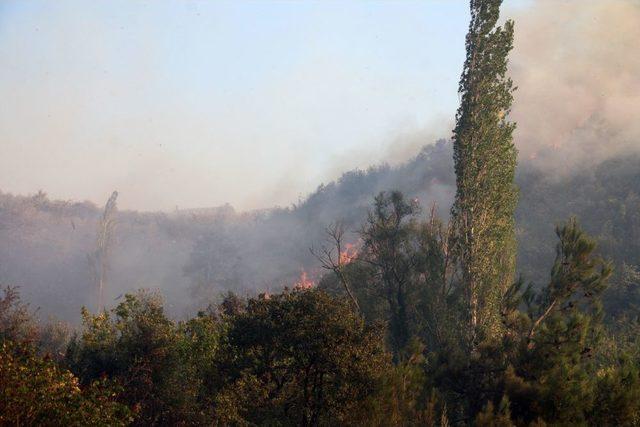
(464,286)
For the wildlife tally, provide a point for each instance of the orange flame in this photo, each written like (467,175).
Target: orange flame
(349,254)
(304,282)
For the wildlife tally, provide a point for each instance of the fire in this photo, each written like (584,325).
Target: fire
(349,254)
(304,282)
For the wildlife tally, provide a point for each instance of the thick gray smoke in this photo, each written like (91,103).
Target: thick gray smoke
(577,69)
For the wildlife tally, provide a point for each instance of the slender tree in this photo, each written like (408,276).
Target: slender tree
(99,260)
(485,161)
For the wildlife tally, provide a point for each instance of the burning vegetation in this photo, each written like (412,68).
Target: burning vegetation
(393,317)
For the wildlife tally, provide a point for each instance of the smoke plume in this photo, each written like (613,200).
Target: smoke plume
(578,75)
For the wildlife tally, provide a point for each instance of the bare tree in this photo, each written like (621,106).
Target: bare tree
(99,260)
(333,256)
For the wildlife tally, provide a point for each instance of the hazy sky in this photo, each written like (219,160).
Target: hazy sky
(193,103)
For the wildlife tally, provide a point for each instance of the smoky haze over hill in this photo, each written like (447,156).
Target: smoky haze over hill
(578,97)
(194,256)
(578,135)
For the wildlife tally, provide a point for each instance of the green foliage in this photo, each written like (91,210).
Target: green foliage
(495,417)
(406,399)
(35,391)
(578,279)
(485,162)
(137,346)
(552,377)
(298,358)
(16,322)
(623,299)
(617,394)
(390,247)
(401,274)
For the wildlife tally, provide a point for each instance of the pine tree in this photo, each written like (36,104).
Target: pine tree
(485,161)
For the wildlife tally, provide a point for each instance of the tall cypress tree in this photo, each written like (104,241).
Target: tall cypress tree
(485,162)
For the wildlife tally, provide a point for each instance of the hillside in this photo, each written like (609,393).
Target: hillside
(195,255)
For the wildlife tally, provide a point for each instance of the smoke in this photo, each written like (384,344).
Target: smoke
(578,75)
(577,101)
